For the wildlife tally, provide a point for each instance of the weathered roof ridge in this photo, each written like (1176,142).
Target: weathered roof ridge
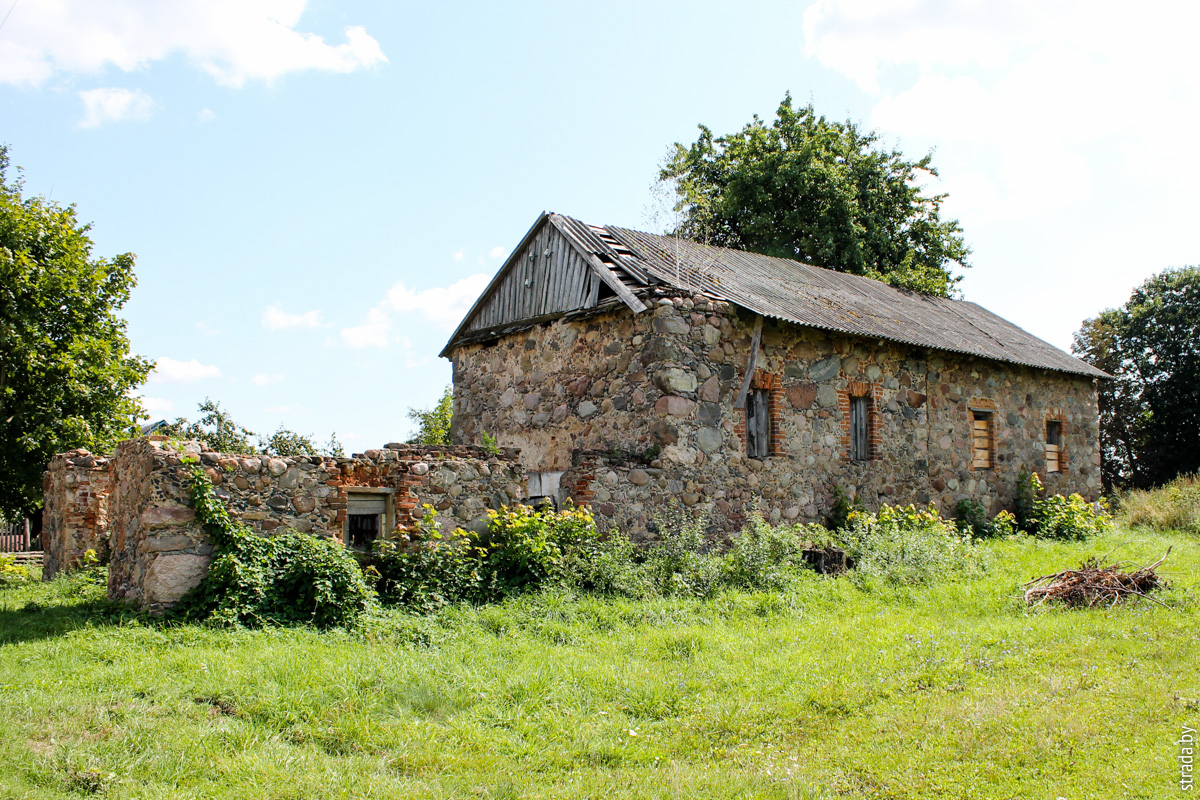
(822,298)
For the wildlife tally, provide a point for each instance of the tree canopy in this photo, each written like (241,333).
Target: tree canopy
(820,192)
(66,372)
(433,424)
(1149,415)
(219,431)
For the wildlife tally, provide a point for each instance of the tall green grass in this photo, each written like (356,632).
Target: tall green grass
(826,688)
(1175,506)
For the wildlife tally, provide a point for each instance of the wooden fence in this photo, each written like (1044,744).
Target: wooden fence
(16,538)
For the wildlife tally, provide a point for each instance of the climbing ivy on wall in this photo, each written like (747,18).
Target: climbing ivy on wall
(290,578)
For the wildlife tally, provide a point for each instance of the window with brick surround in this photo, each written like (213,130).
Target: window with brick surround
(860,444)
(758,423)
(982,438)
(1054,448)
(761,426)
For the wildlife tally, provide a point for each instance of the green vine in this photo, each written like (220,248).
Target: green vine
(286,579)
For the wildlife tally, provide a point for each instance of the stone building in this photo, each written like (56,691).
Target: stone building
(629,368)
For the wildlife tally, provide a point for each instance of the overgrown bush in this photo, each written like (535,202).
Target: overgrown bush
(971,519)
(1056,516)
(766,556)
(682,561)
(12,572)
(1175,506)
(907,544)
(289,578)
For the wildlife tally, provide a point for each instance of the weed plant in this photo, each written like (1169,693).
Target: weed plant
(1175,506)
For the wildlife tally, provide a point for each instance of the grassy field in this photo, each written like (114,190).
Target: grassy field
(830,689)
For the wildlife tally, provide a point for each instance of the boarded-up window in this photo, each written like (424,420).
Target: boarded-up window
(758,424)
(860,443)
(1054,451)
(981,439)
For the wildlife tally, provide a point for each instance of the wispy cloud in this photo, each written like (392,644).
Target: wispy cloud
(169,370)
(157,406)
(443,306)
(206,115)
(274,318)
(459,254)
(234,41)
(497,252)
(264,379)
(101,106)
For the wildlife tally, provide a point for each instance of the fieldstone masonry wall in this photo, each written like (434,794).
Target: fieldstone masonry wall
(159,551)
(76,487)
(580,395)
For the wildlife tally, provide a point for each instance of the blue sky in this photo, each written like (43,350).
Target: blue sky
(317,191)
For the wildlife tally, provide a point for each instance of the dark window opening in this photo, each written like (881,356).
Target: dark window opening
(537,501)
(606,292)
(1054,451)
(364,530)
(758,424)
(860,443)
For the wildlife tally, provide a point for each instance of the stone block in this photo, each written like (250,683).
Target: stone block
(157,517)
(170,576)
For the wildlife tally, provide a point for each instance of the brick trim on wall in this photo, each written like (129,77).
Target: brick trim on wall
(874,418)
(773,384)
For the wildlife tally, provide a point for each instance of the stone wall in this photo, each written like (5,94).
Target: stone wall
(582,395)
(158,551)
(75,518)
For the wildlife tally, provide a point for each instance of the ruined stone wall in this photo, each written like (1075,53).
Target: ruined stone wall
(583,396)
(75,518)
(159,551)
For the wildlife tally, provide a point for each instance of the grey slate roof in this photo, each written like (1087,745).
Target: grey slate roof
(821,298)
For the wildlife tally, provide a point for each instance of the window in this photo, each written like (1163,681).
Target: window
(860,443)
(981,439)
(758,424)
(367,518)
(1054,451)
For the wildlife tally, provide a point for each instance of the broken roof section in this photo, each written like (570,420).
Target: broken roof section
(627,261)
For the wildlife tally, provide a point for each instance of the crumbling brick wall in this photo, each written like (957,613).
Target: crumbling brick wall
(75,517)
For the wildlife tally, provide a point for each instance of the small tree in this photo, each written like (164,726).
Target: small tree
(433,424)
(216,429)
(1149,415)
(66,373)
(820,192)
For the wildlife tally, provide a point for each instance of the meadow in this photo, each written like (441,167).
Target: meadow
(829,688)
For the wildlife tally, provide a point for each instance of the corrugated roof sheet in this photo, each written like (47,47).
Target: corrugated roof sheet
(822,298)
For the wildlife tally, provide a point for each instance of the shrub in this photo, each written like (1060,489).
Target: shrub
(11,572)
(906,544)
(766,556)
(972,520)
(288,578)
(525,547)
(1056,516)
(607,567)
(1175,506)
(423,570)
(682,562)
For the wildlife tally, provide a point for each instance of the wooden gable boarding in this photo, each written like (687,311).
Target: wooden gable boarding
(548,275)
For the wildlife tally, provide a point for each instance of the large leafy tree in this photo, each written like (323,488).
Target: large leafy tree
(1150,413)
(66,372)
(820,192)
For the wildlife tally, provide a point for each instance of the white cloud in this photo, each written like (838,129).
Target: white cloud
(114,105)
(234,41)
(274,318)
(459,254)
(264,379)
(498,251)
(371,333)
(156,407)
(168,370)
(444,306)
(206,115)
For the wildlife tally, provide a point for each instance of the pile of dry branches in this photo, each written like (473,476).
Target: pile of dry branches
(1093,585)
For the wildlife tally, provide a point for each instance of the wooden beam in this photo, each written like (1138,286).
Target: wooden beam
(751,363)
(601,269)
